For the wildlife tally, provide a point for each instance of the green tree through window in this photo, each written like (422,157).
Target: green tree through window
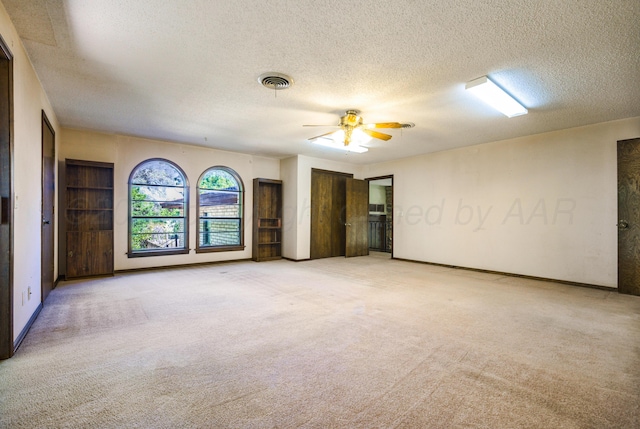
(158,209)
(220,210)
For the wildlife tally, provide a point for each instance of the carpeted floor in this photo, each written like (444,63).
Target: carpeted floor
(335,343)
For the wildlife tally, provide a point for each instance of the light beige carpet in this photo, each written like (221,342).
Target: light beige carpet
(336,343)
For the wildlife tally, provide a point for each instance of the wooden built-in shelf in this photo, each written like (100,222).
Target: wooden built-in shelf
(267,219)
(88,218)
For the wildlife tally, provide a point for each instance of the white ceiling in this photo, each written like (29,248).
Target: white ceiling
(186,71)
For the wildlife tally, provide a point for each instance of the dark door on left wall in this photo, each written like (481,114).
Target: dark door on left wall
(48,195)
(6,200)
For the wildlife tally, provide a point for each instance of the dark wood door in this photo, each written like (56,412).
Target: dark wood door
(629,216)
(321,188)
(6,211)
(328,206)
(357,217)
(338,215)
(48,193)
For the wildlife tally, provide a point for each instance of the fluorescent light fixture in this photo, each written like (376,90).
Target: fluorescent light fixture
(330,141)
(493,95)
(332,144)
(336,141)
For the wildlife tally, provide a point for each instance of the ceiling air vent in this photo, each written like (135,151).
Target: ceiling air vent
(275,81)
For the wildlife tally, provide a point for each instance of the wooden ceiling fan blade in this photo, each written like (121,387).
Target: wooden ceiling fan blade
(385,125)
(377,135)
(321,135)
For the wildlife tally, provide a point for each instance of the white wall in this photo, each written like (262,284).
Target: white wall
(289,177)
(542,205)
(127,152)
(377,194)
(29,101)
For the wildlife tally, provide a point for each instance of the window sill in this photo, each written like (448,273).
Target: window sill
(219,249)
(142,253)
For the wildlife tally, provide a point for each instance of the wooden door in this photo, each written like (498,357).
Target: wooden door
(357,217)
(48,192)
(328,206)
(629,216)
(338,215)
(6,211)
(321,185)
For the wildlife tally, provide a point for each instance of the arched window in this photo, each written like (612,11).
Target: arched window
(158,206)
(220,211)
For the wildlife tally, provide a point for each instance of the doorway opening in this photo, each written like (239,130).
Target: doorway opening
(381,215)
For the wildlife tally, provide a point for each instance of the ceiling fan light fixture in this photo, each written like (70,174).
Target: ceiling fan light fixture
(354,133)
(358,137)
(486,90)
(337,137)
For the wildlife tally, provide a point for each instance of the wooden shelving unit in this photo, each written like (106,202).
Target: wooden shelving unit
(267,219)
(89,218)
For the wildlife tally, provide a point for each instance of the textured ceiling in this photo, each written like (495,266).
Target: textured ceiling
(186,71)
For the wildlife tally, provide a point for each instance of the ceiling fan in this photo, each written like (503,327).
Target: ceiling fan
(352,123)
